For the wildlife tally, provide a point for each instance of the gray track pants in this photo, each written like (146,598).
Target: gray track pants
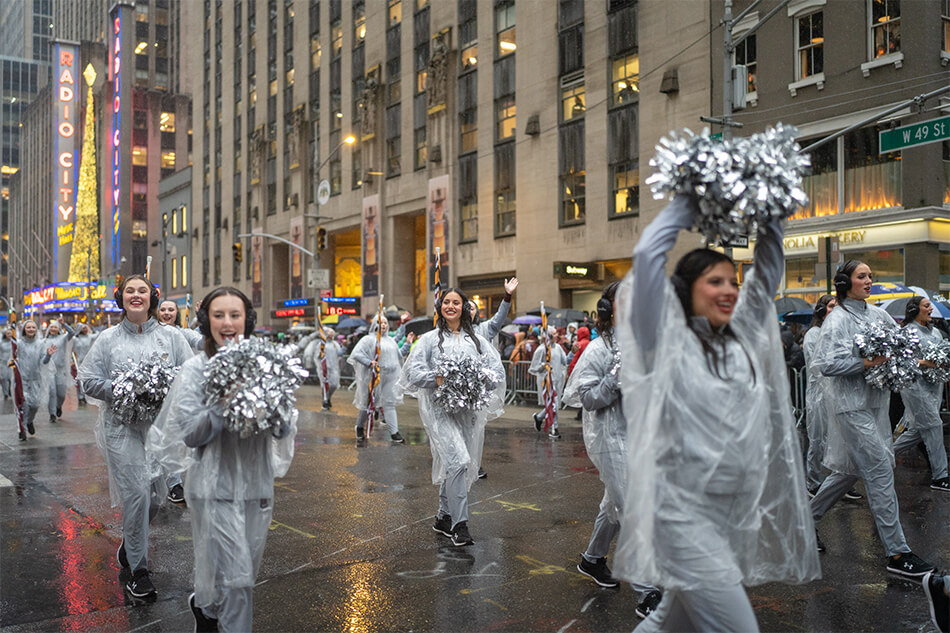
(453,496)
(724,609)
(389,413)
(933,440)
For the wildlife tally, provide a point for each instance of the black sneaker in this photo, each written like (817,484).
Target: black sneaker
(821,546)
(937,600)
(481,473)
(941,484)
(52,419)
(141,585)
(31,428)
(22,436)
(59,412)
(649,604)
(443,525)
(812,492)
(598,571)
(176,494)
(461,536)
(360,433)
(326,405)
(908,565)
(853,495)
(203,624)
(397,438)
(538,420)
(554,434)
(120,555)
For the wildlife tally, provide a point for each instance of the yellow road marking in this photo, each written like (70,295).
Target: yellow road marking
(277,524)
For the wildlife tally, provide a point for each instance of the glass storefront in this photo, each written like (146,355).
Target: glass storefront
(886,265)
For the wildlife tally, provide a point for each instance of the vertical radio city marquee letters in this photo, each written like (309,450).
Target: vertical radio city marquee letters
(114,69)
(66,135)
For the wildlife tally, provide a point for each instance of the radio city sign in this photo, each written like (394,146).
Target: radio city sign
(66,121)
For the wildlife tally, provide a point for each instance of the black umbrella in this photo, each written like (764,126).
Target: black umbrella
(562,315)
(419,325)
(791,304)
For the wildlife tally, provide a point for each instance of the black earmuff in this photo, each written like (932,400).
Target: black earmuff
(913,309)
(821,310)
(842,279)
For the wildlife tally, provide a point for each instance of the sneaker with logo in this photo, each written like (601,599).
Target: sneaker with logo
(141,585)
(31,428)
(52,419)
(22,436)
(538,420)
(554,434)
(203,624)
(461,536)
(443,525)
(397,438)
(598,571)
(649,604)
(853,495)
(360,433)
(176,494)
(942,485)
(908,565)
(59,412)
(935,588)
(481,473)
(121,557)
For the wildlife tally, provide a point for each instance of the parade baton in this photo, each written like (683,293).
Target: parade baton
(548,392)
(18,399)
(374,371)
(148,267)
(323,356)
(438,286)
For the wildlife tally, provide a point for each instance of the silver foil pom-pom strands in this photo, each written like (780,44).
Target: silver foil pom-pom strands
(739,184)
(901,347)
(939,354)
(253,381)
(138,389)
(467,383)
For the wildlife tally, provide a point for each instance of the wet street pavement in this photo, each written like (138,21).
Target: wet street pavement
(351,547)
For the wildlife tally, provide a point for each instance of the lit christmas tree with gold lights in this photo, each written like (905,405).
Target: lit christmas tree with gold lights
(84,261)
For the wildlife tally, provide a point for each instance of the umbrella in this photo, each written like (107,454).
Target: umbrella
(393,311)
(351,323)
(887,290)
(527,319)
(419,325)
(511,329)
(798,316)
(897,307)
(791,304)
(563,315)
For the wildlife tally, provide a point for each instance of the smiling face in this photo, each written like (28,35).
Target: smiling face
(715,292)
(135,300)
(452,307)
(861,280)
(226,315)
(926,309)
(29,329)
(168,312)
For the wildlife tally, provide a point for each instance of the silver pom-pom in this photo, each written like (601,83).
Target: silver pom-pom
(138,389)
(468,383)
(939,354)
(254,380)
(740,184)
(901,347)
(614,368)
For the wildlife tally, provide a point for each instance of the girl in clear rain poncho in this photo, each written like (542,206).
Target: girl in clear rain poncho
(455,439)
(55,335)
(331,353)
(229,481)
(922,398)
(594,387)
(558,376)
(859,433)
(33,361)
(137,337)
(82,342)
(816,419)
(715,494)
(168,314)
(386,396)
(6,372)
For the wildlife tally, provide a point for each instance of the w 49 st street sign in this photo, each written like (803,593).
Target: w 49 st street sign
(932,131)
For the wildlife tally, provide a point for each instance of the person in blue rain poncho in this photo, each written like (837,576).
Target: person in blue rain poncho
(859,433)
(455,439)
(922,399)
(386,396)
(715,496)
(137,337)
(55,335)
(229,480)
(594,387)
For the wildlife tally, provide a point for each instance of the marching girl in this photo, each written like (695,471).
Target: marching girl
(715,493)
(386,396)
(6,355)
(922,398)
(56,337)
(456,440)
(168,315)
(230,481)
(332,352)
(816,421)
(558,376)
(33,361)
(137,337)
(81,344)
(859,434)
(594,387)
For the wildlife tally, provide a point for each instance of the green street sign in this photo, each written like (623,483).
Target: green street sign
(932,131)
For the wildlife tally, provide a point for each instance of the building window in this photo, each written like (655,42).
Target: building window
(393,140)
(625,79)
(168,160)
(504,118)
(419,131)
(468,112)
(184,271)
(625,189)
(573,100)
(393,64)
(336,40)
(468,34)
(810,43)
(468,198)
(139,155)
(945,17)
(395,12)
(623,161)
(885,27)
(166,122)
(421,151)
(572,173)
(505,190)
(359,23)
(745,55)
(316,51)
(174,273)
(505,28)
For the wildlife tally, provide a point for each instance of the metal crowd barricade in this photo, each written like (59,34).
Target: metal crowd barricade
(347,374)
(520,386)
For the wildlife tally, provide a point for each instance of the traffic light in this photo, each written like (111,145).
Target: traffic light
(238,249)
(321,238)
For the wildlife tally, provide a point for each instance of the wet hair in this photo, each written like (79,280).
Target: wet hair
(204,319)
(466,319)
(605,312)
(821,310)
(153,301)
(688,269)
(911,310)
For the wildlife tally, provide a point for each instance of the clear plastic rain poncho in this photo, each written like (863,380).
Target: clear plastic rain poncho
(456,440)
(311,357)
(36,371)
(61,366)
(229,487)
(390,360)
(816,405)
(715,487)
(593,387)
(922,398)
(838,358)
(194,338)
(122,445)
(81,345)
(558,371)
(6,352)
